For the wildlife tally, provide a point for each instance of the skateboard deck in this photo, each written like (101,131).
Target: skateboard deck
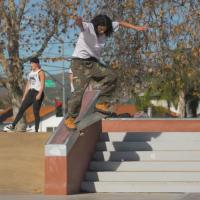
(87,108)
(89,120)
(87,114)
(88,104)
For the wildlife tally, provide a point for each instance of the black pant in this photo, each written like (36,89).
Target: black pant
(29,100)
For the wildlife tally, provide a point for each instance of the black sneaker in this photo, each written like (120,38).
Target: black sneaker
(9,127)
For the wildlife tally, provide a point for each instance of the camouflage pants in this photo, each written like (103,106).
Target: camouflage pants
(84,71)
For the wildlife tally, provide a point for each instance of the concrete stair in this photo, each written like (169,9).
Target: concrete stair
(145,162)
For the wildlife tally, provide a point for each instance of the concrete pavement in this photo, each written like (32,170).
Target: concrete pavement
(108,196)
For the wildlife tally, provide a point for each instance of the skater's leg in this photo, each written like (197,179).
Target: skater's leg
(106,79)
(81,71)
(36,110)
(24,106)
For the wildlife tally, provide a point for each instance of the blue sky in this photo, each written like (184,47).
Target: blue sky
(51,50)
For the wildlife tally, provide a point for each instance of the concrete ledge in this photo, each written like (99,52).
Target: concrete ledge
(67,153)
(65,169)
(150,125)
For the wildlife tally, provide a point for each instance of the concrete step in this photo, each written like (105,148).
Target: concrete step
(146,156)
(145,166)
(186,187)
(149,136)
(147,146)
(143,176)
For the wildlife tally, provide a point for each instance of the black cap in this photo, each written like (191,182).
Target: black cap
(35,60)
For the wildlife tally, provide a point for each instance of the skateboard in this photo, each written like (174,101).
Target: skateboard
(87,114)
(90,119)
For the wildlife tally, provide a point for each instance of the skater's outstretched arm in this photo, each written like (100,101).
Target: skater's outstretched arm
(121,23)
(79,21)
(131,26)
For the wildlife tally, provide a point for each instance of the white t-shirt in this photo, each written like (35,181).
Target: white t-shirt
(88,44)
(34,80)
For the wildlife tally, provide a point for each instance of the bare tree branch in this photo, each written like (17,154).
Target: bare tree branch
(3,61)
(3,81)
(46,40)
(12,9)
(22,6)
(5,15)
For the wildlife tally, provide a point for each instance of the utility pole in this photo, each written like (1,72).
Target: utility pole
(63,82)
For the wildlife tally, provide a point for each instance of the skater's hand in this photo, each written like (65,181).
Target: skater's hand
(131,26)
(38,97)
(142,28)
(23,99)
(79,21)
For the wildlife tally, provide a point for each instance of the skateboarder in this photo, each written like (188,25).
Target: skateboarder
(86,65)
(33,94)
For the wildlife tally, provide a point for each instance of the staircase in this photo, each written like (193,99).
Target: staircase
(145,162)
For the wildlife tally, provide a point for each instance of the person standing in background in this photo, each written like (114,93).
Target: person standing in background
(33,94)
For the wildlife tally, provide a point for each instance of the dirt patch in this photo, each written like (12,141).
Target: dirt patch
(22,162)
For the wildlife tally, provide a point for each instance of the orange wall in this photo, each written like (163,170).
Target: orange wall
(149,125)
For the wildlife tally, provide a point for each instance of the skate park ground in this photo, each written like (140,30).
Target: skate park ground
(22,162)
(108,196)
(26,158)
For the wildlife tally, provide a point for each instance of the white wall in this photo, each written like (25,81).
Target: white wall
(163,103)
(51,121)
